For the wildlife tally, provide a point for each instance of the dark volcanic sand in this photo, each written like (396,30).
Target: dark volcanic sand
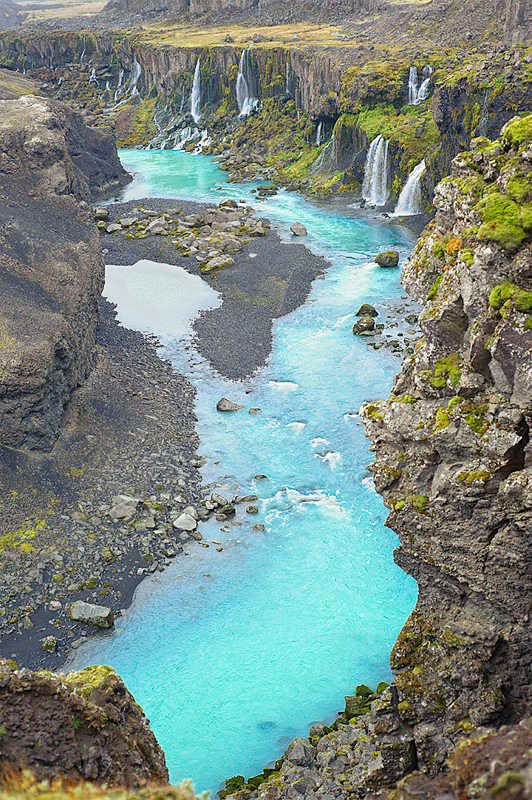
(235,338)
(128,430)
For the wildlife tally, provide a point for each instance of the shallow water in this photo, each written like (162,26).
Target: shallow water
(233,653)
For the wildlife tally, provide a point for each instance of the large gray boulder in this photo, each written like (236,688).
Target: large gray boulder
(92,614)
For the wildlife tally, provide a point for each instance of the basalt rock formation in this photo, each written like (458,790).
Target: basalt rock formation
(51,266)
(82,726)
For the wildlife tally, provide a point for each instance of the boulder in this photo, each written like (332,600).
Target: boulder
(92,614)
(101,213)
(364,325)
(366,310)
(298,229)
(227,203)
(49,644)
(218,262)
(388,259)
(227,405)
(185,522)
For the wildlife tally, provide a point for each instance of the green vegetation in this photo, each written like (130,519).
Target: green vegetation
(417,502)
(26,787)
(445,370)
(502,293)
(442,420)
(503,221)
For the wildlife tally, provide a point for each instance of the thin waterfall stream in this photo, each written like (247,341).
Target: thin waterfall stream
(237,648)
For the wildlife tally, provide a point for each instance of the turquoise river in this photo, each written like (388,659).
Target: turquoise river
(233,653)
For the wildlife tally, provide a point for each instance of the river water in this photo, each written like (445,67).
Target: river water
(233,653)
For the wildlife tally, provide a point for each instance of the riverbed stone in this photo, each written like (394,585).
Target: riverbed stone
(366,310)
(49,644)
(388,259)
(218,262)
(364,325)
(227,405)
(185,522)
(92,614)
(298,229)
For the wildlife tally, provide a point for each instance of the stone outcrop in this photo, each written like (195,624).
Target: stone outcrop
(51,266)
(82,726)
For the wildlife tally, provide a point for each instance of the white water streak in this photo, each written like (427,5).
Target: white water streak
(409,202)
(195,98)
(375,189)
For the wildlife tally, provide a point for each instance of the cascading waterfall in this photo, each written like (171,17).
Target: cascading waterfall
(135,75)
(119,84)
(409,201)
(319,133)
(92,78)
(195,98)
(244,85)
(84,51)
(418,92)
(375,189)
(289,84)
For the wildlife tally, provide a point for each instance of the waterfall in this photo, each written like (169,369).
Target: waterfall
(375,189)
(136,70)
(244,85)
(195,99)
(119,85)
(409,202)
(92,78)
(289,83)
(416,92)
(319,133)
(84,51)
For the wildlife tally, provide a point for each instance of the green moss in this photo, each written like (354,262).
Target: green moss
(442,420)
(416,501)
(503,220)
(521,298)
(84,681)
(453,402)
(475,419)
(433,291)
(518,132)
(518,189)
(446,370)
(405,398)
(469,477)
(467,255)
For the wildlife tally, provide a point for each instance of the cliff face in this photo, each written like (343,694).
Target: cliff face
(84,726)
(51,267)
(452,452)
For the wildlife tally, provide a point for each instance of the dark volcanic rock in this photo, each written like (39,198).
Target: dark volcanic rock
(84,726)
(51,267)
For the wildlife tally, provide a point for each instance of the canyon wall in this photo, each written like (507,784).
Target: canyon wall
(343,93)
(51,266)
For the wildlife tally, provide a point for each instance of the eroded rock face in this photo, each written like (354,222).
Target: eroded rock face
(51,266)
(84,726)
(453,456)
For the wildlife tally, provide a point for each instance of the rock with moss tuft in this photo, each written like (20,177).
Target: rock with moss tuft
(388,259)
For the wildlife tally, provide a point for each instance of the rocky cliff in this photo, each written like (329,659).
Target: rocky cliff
(453,466)
(51,267)
(82,726)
